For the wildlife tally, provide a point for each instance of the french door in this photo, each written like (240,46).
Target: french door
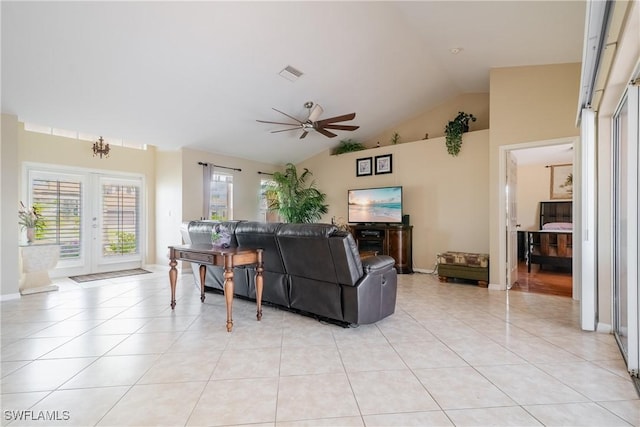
(512,219)
(95,218)
(116,223)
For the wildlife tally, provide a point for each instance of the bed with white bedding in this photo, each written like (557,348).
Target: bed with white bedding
(552,245)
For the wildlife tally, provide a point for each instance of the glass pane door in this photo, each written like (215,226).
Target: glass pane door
(119,236)
(59,200)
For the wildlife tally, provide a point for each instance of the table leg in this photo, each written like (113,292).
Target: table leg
(173,277)
(259,285)
(203,275)
(228,295)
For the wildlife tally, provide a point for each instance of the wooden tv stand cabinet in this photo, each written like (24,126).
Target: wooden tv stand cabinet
(386,239)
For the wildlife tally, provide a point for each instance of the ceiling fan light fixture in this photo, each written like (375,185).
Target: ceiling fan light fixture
(290,73)
(314,113)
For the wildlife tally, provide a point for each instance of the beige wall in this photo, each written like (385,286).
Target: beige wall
(9,236)
(434,121)
(246,183)
(168,208)
(527,104)
(533,187)
(446,197)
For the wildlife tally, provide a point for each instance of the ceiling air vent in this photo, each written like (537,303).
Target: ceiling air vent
(290,73)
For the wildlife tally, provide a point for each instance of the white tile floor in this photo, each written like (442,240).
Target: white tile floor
(114,353)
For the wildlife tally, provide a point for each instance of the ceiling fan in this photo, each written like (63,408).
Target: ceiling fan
(312,122)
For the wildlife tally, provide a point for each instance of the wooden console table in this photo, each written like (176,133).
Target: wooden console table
(221,257)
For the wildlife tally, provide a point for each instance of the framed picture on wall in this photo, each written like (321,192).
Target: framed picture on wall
(561,181)
(363,166)
(383,164)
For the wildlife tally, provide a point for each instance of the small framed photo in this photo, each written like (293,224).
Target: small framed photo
(383,164)
(364,166)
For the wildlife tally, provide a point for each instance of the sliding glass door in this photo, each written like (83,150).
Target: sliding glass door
(621,220)
(626,210)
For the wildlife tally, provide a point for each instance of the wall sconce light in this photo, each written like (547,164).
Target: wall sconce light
(101,148)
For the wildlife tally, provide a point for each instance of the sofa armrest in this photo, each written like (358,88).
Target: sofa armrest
(374,296)
(184,232)
(377,263)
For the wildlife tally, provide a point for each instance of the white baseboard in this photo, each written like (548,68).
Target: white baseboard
(422,270)
(8,297)
(604,328)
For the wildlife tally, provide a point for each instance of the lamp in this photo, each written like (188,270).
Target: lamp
(101,148)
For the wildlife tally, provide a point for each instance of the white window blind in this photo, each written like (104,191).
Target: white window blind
(59,201)
(120,219)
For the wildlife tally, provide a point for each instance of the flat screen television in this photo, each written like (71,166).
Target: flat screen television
(375,205)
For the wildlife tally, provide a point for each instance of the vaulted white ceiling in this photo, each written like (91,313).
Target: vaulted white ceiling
(199,74)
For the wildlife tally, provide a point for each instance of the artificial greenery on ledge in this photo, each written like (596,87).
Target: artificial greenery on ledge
(347,146)
(454,130)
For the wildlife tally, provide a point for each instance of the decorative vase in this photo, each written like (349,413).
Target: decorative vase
(31,234)
(221,237)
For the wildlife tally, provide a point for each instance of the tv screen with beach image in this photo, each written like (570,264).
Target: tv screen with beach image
(375,205)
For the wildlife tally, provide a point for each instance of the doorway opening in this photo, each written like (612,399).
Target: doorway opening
(538,216)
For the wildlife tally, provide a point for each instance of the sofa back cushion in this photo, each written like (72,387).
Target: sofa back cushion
(346,258)
(306,252)
(252,234)
(200,231)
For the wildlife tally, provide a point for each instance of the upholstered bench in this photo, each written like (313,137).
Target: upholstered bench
(464,265)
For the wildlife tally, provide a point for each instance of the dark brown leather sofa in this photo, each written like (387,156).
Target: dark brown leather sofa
(314,269)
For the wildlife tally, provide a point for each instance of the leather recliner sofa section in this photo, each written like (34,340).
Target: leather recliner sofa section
(314,269)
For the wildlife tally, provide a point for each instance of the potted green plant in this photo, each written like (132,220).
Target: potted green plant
(347,146)
(295,201)
(31,220)
(454,130)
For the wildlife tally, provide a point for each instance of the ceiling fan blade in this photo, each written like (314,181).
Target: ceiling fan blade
(277,123)
(284,130)
(326,132)
(291,117)
(341,127)
(305,133)
(342,118)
